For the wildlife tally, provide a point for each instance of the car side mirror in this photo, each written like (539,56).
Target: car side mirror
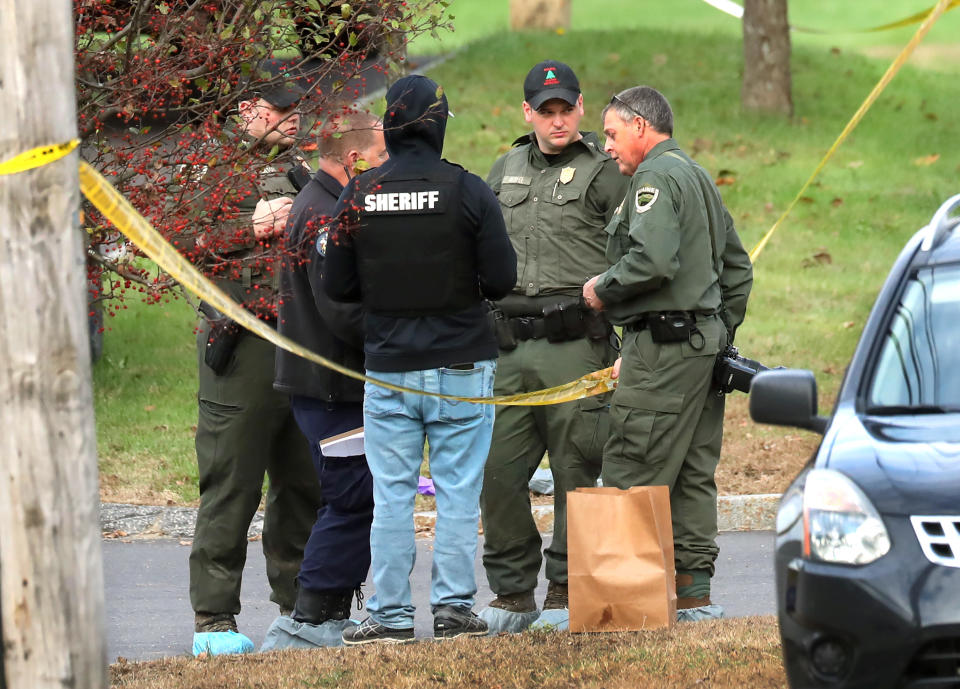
(786,397)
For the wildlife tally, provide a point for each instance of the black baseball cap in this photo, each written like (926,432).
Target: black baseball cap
(282,90)
(550,79)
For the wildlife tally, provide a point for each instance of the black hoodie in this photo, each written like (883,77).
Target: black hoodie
(414,127)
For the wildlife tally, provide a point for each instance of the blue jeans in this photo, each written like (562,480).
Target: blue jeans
(395,425)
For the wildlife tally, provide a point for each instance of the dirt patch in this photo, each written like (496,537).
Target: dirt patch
(939,56)
(759,459)
(742,652)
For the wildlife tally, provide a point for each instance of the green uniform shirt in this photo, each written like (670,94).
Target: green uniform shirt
(659,242)
(245,267)
(555,210)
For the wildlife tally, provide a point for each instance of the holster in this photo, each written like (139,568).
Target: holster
(571,321)
(222,339)
(500,325)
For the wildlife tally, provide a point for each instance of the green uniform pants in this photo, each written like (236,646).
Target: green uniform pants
(666,429)
(245,428)
(573,433)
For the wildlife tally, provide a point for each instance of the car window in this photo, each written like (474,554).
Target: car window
(919,363)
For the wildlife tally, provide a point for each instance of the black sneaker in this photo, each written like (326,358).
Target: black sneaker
(371,632)
(450,622)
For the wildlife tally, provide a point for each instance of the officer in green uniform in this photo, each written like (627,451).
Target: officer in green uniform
(678,285)
(245,427)
(557,190)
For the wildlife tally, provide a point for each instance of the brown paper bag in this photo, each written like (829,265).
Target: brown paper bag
(620,559)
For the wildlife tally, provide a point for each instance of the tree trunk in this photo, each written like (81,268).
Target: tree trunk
(766,57)
(51,579)
(539,14)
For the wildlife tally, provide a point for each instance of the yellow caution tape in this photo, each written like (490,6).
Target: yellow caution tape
(913,19)
(735,10)
(932,17)
(36,157)
(126,219)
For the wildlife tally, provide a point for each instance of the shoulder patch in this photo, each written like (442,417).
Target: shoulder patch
(646,197)
(322,239)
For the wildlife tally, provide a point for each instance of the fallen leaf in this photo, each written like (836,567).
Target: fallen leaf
(150,407)
(806,199)
(927,160)
(848,324)
(161,427)
(186,542)
(855,164)
(836,202)
(118,533)
(932,116)
(700,144)
(768,207)
(496,111)
(725,181)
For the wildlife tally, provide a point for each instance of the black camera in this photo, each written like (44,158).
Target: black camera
(734,372)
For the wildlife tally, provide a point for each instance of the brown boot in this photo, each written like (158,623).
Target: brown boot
(557,598)
(515,602)
(685,584)
(214,622)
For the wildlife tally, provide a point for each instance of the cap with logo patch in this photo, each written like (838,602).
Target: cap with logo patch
(281,89)
(550,79)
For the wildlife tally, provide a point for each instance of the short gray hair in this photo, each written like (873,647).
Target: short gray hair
(646,102)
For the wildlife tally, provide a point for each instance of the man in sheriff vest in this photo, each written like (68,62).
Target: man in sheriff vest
(679,286)
(420,242)
(244,427)
(557,190)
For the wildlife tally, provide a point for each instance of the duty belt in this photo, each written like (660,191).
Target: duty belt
(643,321)
(528,327)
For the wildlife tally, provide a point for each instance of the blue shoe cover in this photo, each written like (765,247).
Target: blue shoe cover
(501,621)
(286,632)
(705,612)
(554,620)
(220,643)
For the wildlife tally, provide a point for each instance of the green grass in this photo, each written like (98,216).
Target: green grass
(477,19)
(871,197)
(145,397)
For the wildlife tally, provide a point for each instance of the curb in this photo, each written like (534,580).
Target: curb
(119,520)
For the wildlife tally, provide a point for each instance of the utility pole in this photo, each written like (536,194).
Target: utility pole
(51,572)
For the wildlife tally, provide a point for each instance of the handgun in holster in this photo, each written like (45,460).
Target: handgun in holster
(222,339)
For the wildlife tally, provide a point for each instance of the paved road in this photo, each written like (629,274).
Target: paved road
(148,606)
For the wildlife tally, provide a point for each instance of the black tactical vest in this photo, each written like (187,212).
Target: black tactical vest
(416,250)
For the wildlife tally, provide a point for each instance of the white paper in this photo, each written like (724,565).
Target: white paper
(349,444)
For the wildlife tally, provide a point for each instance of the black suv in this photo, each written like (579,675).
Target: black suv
(868,534)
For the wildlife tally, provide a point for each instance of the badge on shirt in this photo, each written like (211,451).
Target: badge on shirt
(646,197)
(322,242)
(566,174)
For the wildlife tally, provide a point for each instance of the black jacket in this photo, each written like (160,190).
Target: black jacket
(306,315)
(414,126)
